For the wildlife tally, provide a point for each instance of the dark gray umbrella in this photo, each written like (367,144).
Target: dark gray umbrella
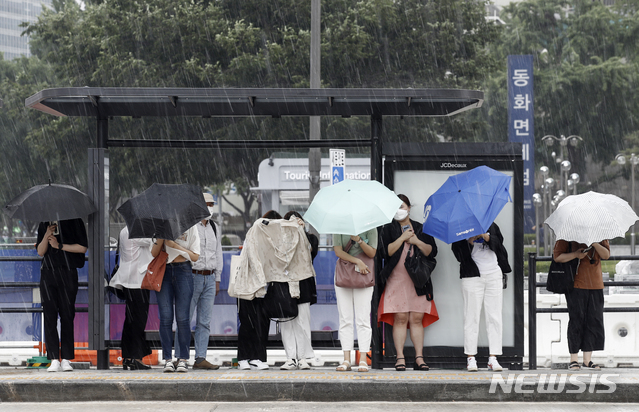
(50,202)
(164,211)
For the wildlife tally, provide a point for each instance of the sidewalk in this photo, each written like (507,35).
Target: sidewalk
(319,385)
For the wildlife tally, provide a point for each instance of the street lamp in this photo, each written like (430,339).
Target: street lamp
(575,180)
(536,198)
(565,168)
(549,183)
(563,142)
(634,160)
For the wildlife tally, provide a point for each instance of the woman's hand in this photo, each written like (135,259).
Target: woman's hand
(407,235)
(356,239)
(362,267)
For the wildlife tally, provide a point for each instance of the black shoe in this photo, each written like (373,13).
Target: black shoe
(420,367)
(401,367)
(134,365)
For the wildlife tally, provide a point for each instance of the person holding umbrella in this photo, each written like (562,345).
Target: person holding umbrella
(354,305)
(585,302)
(177,289)
(62,246)
(579,221)
(483,262)
(402,305)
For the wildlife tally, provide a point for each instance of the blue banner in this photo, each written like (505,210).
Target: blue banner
(521,126)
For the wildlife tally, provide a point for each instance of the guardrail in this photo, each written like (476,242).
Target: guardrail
(533,310)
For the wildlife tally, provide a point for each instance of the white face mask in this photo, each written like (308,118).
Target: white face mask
(401,214)
(210,211)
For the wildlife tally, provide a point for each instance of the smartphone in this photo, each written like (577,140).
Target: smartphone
(405,228)
(57,228)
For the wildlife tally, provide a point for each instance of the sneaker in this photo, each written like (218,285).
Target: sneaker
(289,365)
(243,365)
(493,365)
(258,365)
(181,366)
(471,364)
(169,366)
(55,366)
(303,365)
(66,366)
(204,364)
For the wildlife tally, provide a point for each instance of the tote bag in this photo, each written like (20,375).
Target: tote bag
(347,276)
(561,276)
(155,272)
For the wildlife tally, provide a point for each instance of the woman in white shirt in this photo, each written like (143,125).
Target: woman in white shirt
(177,288)
(135,256)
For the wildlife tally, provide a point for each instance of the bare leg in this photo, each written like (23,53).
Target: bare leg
(417,335)
(347,355)
(587,358)
(399,335)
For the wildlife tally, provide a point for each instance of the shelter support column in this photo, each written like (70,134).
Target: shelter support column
(98,182)
(376,148)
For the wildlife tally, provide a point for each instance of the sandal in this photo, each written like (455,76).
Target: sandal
(420,367)
(591,365)
(363,367)
(401,367)
(344,366)
(574,366)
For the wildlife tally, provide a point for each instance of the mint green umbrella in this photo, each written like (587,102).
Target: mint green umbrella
(352,207)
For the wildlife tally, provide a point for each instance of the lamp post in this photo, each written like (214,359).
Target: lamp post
(537,202)
(549,183)
(565,168)
(574,178)
(563,142)
(634,160)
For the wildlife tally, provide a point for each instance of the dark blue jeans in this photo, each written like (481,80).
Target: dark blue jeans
(177,287)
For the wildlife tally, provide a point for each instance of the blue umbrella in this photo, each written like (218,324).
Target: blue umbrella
(466,204)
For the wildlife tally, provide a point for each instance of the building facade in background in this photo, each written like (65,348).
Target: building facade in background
(12,14)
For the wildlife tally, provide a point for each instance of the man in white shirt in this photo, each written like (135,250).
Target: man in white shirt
(207,273)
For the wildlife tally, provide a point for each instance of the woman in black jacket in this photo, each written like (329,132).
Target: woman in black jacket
(402,305)
(483,265)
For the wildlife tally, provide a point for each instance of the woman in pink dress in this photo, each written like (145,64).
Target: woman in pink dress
(402,305)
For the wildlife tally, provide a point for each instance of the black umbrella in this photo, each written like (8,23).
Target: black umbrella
(164,211)
(50,202)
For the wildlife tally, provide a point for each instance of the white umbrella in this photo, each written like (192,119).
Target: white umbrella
(591,217)
(351,207)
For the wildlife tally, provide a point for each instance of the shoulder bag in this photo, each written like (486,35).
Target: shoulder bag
(561,276)
(347,274)
(418,266)
(155,272)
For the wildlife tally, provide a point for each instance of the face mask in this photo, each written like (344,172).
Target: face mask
(210,211)
(401,214)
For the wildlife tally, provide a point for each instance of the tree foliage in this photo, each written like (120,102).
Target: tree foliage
(250,43)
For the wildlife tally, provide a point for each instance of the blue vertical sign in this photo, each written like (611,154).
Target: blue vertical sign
(521,125)
(338,164)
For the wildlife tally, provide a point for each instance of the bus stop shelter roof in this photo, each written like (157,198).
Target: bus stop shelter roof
(105,102)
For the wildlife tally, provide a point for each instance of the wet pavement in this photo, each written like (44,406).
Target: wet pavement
(318,385)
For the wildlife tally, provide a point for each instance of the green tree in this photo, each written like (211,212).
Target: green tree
(253,43)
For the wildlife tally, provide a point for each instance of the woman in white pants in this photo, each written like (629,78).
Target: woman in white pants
(354,305)
(296,333)
(483,263)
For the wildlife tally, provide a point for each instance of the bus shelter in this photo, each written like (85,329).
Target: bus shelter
(106,103)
